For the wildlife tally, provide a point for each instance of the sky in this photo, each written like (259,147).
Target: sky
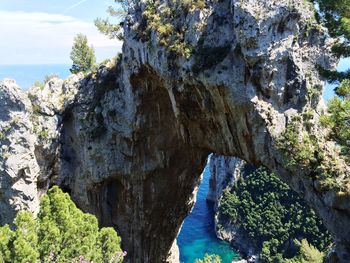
(42,31)
(329,89)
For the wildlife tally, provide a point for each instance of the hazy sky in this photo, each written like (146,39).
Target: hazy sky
(42,31)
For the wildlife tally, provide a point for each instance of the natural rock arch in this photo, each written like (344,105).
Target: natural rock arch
(142,131)
(134,138)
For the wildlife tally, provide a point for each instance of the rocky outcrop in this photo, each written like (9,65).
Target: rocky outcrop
(19,170)
(224,171)
(30,135)
(238,240)
(174,253)
(232,77)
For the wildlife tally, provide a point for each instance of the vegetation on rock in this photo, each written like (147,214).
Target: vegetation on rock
(336,16)
(61,233)
(307,253)
(163,20)
(265,209)
(307,151)
(47,78)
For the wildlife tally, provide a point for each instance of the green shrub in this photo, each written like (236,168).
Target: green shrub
(61,233)
(48,77)
(307,253)
(163,21)
(298,144)
(338,121)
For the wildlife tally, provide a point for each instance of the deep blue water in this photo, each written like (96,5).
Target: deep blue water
(197,235)
(26,75)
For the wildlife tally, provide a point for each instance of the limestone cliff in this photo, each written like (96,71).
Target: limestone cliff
(224,171)
(232,77)
(29,139)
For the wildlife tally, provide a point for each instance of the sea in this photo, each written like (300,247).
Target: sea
(197,236)
(26,75)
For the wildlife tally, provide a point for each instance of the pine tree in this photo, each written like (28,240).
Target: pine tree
(82,55)
(26,239)
(6,235)
(113,30)
(61,233)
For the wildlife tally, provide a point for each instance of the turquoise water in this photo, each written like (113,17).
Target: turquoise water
(26,75)
(197,235)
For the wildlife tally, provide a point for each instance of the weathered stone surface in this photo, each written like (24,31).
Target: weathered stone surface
(19,169)
(30,124)
(129,142)
(224,171)
(29,136)
(174,253)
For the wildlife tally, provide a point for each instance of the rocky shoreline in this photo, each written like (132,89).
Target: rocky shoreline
(224,172)
(238,241)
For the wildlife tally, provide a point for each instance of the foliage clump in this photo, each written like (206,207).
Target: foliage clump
(299,144)
(209,259)
(61,233)
(336,17)
(163,21)
(307,253)
(265,209)
(82,55)
(338,117)
(310,154)
(113,30)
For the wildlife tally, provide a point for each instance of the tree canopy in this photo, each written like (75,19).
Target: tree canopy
(265,209)
(82,55)
(61,233)
(117,12)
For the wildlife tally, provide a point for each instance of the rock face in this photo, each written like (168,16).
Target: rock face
(130,141)
(19,169)
(30,133)
(224,171)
